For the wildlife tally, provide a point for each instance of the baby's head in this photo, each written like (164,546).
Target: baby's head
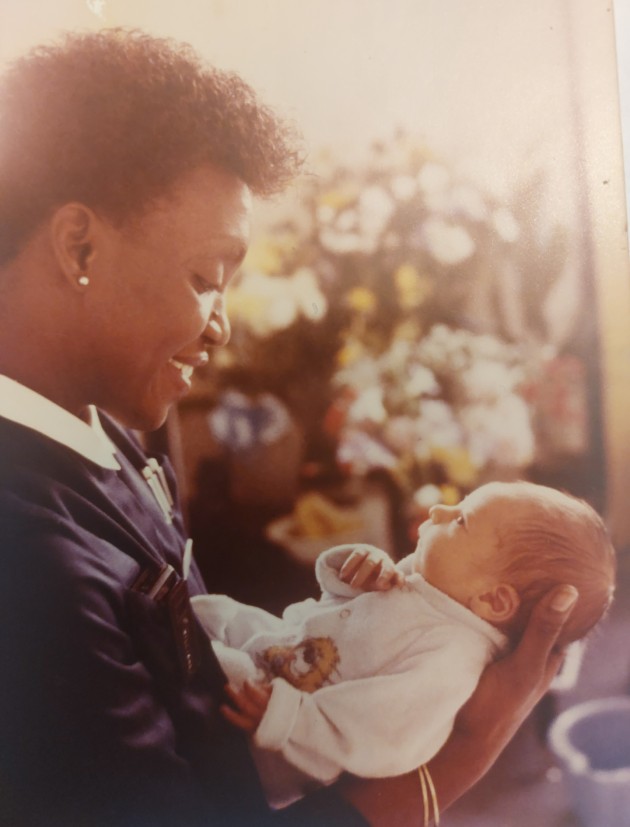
(507,544)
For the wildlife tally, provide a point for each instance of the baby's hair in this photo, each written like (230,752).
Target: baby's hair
(114,119)
(558,539)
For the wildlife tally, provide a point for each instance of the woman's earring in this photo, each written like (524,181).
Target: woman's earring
(83,281)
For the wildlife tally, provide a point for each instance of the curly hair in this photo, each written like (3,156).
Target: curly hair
(557,539)
(114,118)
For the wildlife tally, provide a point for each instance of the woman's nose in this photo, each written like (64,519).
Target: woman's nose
(218,330)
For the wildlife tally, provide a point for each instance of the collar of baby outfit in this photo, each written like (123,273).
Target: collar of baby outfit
(451,608)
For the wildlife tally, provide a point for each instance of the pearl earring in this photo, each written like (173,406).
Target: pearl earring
(83,281)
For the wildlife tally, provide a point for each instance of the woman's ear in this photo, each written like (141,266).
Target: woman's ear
(72,230)
(497,605)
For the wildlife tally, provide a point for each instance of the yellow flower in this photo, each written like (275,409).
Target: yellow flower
(337,199)
(451,494)
(413,288)
(350,353)
(361,299)
(408,330)
(267,254)
(457,464)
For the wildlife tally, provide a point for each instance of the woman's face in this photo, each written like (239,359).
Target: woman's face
(156,296)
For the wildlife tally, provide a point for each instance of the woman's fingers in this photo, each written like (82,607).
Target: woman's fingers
(537,651)
(510,688)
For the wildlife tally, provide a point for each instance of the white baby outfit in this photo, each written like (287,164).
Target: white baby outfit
(363,682)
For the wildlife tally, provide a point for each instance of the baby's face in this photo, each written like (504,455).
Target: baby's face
(457,545)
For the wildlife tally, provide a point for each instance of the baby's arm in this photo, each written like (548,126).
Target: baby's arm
(336,570)
(230,622)
(361,726)
(369,569)
(349,570)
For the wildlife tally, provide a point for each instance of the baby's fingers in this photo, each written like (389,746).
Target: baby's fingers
(367,574)
(250,702)
(388,579)
(250,698)
(239,720)
(352,565)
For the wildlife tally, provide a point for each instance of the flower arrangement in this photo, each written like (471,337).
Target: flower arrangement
(441,413)
(393,314)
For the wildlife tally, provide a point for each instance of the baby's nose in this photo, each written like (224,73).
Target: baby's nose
(440,513)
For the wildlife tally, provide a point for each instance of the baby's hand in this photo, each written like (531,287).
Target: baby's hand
(251,702)
(370,570)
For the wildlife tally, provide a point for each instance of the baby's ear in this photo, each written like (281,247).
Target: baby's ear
(497,605)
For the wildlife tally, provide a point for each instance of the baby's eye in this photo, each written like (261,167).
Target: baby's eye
(202,285)
(460,520)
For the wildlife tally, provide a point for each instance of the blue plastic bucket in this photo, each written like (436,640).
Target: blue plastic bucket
(592,742)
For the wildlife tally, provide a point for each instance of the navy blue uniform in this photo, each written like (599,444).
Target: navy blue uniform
(101,721)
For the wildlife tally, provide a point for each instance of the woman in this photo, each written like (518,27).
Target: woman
(126,177)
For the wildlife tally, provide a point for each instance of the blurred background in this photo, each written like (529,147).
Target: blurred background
(442,299)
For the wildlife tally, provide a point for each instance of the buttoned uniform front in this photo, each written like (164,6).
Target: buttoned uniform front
(100,724)
(362,682)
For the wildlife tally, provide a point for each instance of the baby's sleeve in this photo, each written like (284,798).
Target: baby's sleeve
(329,565)
(230,622)
(372,727)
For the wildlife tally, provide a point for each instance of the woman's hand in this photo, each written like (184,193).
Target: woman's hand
(370,570)
(510,688)
(507,692)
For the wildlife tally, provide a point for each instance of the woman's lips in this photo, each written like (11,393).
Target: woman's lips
(186,371)
(185,365)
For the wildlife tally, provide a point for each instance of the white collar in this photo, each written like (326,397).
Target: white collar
(442,602)
(26,407)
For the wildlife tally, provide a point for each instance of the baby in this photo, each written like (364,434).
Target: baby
(368,679)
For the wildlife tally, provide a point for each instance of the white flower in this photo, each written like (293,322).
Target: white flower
(346,220)
(368,407)
(401,434)
(340,243)
(448,243)
(404,187)
(427,496)
(362,453)
(505,224)
(308,296)
(360,374)
(467,200)
(325,214)
(500,433)
(489,380)
(395,358)
(281,311)
(433,177)
(437,424)
(421,381)
(438,202)
(375,208)
(270,303)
